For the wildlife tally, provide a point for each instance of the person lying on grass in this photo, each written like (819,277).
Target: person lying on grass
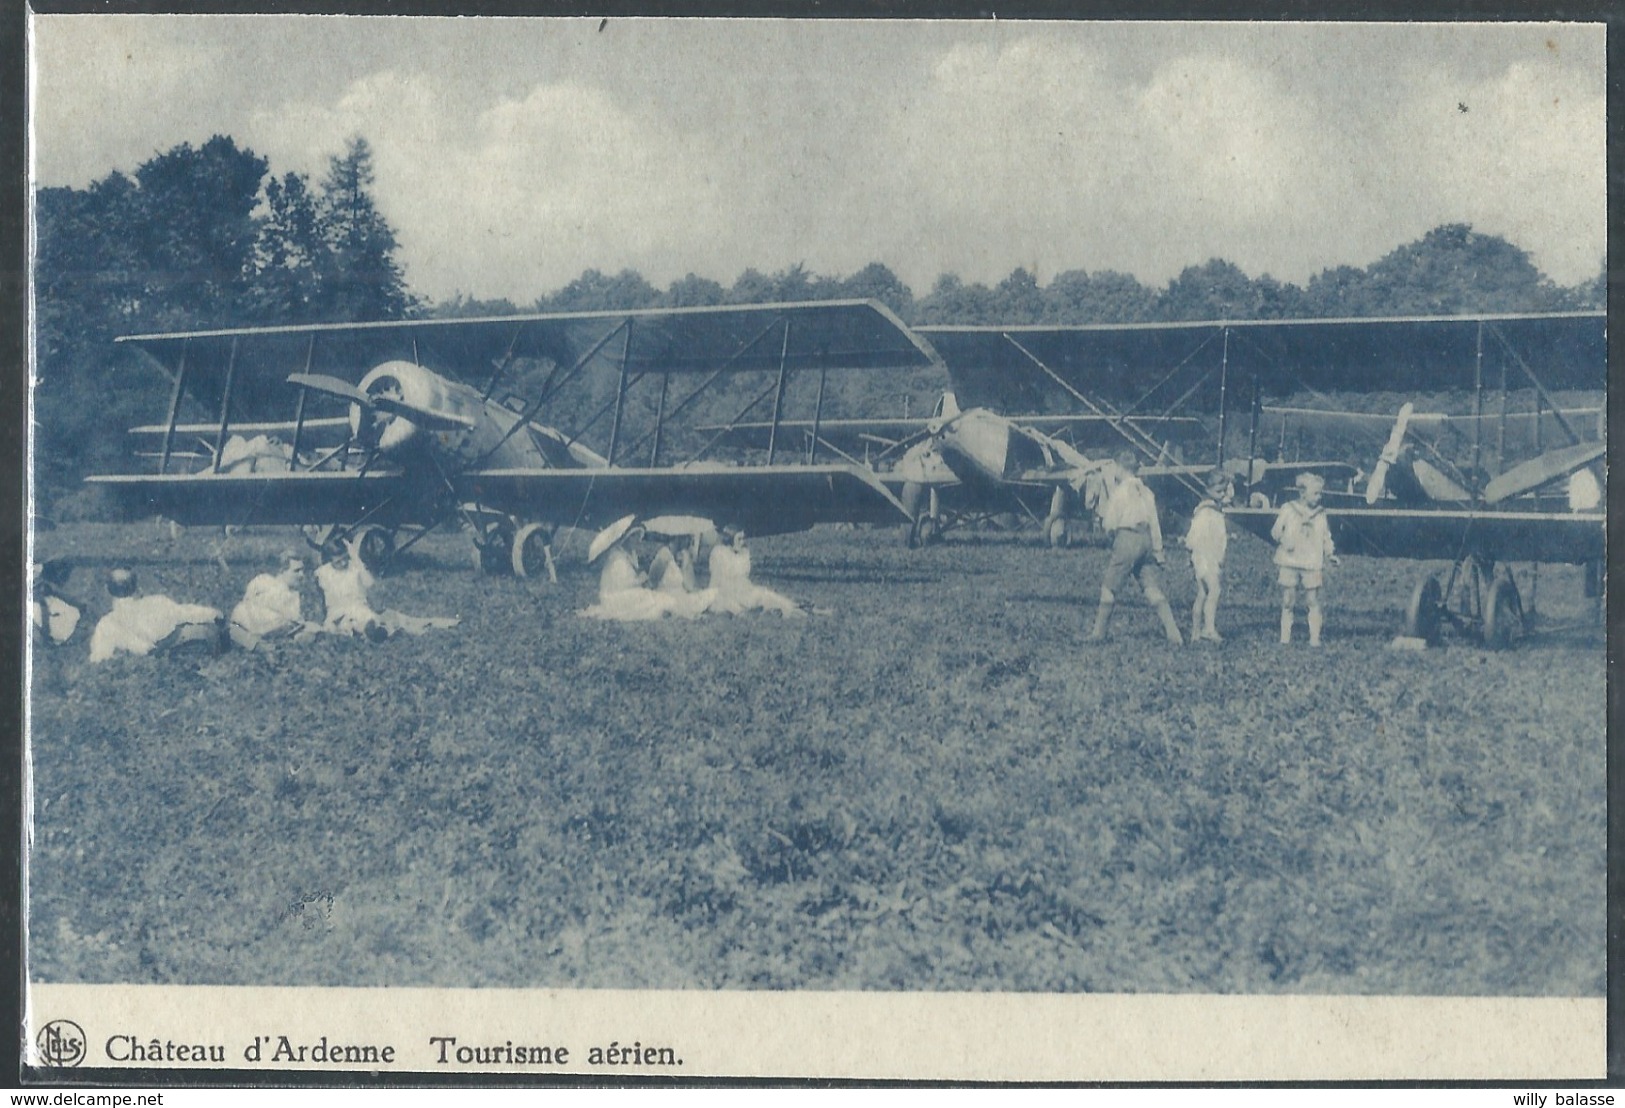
(151,624)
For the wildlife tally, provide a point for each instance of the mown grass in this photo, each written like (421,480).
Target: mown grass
(938,786)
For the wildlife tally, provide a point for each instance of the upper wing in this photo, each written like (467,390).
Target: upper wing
(835,334)
(1150,366)
(1431,533)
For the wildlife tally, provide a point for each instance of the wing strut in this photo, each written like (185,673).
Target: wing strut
(1114,418)
(547,391)
(711,380)
(1540,390)
(1224,381)
(660,420)
(174,410)
(225,403)
(299,409)
(778,395)
(818,405)
(502,366)
(620,393)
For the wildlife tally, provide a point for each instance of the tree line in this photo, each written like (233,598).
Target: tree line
(207,237)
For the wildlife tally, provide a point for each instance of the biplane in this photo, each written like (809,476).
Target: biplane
(511,426)
(1479,519)
(956,466)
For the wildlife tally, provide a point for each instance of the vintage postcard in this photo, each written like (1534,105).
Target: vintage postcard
(941,550)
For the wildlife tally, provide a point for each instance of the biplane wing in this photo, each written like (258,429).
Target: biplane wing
(852,436)
(431,430)
(1453,534)
(1141,368)
(761,499)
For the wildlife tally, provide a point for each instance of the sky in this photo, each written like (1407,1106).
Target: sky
(512,154)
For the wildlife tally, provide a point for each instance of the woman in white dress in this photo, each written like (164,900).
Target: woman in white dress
(345,581)
(623,594)
(730,577)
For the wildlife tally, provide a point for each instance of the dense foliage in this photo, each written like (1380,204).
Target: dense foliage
(206,237)
(194,238)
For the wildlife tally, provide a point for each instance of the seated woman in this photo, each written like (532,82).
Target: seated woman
(53,615)
(622,592)
(673,573)
(730,578)
(345,582)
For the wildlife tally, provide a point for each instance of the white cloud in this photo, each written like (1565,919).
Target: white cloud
(1525,160)
(510,155)
(517,197)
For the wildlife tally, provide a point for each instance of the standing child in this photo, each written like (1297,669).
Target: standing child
(1130,517)
(1207,540)
(1304,546)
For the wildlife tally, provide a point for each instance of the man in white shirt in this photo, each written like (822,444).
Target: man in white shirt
(1130,517)
(271,608)
(150,624)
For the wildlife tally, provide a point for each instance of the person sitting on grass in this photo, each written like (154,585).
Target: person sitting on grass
(151,624)
(271,609)
(623,594)
(345,582)
(1207,540)
(53,615)
(1303,549)
(673,573)
(736,592)
(1130,517)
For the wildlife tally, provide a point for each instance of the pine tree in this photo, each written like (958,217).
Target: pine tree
(359,278)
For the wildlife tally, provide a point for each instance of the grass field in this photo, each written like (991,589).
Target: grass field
(937,786)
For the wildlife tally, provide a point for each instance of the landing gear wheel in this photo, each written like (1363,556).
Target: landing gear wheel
(376,546)
(532,552)
(1060,536)
(1503,614)
(493,553)
(1258,500)
(1425,611)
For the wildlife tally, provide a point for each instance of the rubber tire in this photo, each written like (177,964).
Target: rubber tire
(377,548)
(528,552)
(1059,534)
(1503,615)
(494,556)
(1424,614)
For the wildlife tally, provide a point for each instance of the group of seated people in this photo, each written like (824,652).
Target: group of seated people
(670,587)
(271,611)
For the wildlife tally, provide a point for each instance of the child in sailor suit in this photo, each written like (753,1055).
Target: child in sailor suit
(1304,547)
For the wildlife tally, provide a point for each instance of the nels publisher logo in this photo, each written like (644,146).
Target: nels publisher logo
(61,1043)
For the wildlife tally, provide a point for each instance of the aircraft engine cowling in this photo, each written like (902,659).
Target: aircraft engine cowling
(416,387)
